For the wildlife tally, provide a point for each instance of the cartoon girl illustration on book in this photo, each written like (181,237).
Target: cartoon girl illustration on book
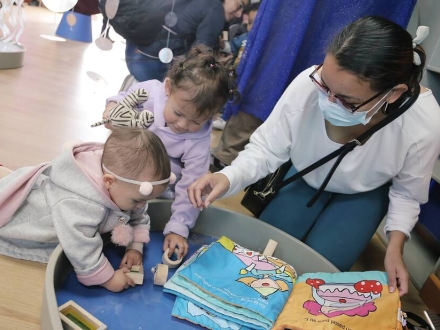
(334,299)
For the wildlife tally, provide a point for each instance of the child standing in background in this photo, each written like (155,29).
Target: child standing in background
(183,105)
(88,190)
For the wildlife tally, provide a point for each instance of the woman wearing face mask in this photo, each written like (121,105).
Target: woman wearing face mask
(370,70)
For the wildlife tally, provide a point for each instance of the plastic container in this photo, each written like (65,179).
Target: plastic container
(214,221)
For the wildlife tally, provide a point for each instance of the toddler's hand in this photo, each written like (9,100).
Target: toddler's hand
(119,281)
(131,257)
(172,241)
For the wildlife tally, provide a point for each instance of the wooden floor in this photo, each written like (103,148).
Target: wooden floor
(52,100)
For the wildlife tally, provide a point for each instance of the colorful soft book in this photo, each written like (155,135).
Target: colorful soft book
(227,286)
(346,301)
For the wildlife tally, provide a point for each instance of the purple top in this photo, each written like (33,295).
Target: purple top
(189,154)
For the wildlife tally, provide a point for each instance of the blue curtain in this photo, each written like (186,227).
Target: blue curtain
(289,36)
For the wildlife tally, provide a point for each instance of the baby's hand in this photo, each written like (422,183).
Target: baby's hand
(131,257)
(172,241)
(119,281)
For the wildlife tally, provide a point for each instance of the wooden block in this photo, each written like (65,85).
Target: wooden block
(74,317)
(160,274)
(169,262)
(270,248)
(430,293)
(136,274)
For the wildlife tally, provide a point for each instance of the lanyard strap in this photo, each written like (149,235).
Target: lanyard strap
(346,148)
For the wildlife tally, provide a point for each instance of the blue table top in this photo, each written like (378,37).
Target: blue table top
(143,307)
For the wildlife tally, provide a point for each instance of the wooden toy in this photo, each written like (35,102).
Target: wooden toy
(270,248)
(169,262)
(160,274)
(136,274)
(74,317)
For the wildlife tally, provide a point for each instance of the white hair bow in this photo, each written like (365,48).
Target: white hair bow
(421,34)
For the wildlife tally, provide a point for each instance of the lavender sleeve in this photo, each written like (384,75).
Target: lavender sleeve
(196,163)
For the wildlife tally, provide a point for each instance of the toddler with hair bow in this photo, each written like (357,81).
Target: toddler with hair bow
(183,105)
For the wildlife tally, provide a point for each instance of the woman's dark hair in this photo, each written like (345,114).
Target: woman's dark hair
(380,52)
(209,82)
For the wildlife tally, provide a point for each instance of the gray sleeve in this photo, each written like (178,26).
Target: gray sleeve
(76,223)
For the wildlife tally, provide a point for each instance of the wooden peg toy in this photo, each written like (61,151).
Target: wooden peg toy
(74,317)
(160,274)
(270,248)
(136,274)
(171,263)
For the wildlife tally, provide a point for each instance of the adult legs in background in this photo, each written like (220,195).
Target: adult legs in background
(347,225)
(235,136)
(288,210)
(143,67)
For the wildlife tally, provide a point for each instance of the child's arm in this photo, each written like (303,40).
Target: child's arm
(140,221)
(76,222)
(184,215)
(119,281)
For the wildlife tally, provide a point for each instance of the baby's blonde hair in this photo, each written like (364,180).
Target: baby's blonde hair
(136,153)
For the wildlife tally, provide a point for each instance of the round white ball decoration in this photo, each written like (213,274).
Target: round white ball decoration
(59,6)
(166,55)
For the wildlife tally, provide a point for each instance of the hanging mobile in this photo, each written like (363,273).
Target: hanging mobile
(103,43)
(166,54)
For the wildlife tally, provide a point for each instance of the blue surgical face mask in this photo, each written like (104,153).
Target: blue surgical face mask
(339,116)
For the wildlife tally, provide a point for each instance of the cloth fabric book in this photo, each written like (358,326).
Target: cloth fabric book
(227,286)
(347,300)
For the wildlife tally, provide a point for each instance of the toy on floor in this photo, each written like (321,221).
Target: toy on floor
(161,270)
(126,114)
(136,273)
(171,263)
(74,317)
(160,274)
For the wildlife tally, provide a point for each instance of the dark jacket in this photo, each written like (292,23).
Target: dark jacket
(198,21)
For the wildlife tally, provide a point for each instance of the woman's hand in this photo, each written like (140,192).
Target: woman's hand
(398,277)
(212,186)
(131,257)
(172,241)
(119,281)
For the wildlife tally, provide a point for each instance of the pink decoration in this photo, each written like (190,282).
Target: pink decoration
(122,234)
(172,178)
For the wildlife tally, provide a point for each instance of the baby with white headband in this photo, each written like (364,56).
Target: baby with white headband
(90,189)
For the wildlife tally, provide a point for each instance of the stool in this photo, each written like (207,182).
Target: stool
(75,26)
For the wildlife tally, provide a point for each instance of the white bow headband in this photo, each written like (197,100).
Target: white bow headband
(421,34)
(145,187)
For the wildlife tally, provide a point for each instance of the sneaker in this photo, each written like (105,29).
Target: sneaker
(219,124)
